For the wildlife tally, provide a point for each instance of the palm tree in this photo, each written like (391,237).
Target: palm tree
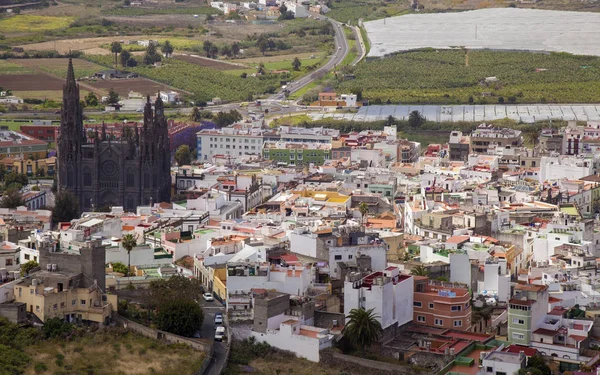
(128,241)
(116,48)
(363,329)
(419,270)
(532,135)
(364,210)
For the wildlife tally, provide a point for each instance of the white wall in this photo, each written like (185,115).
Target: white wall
(140,256)
(378,254)
(460,268)
(34,254)
(7,293)
(303,244)
(302,346)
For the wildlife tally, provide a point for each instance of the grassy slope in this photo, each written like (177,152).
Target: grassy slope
(114,351)
(442,77)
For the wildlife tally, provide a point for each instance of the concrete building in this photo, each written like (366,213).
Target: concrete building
(288,153)
(459,146)
(441,305)
(501,362)
(526,311)
(288,328)
(554,168)
(374,248)
(487,137)
(15,144)
(70,285)
(387,292)
(233,142)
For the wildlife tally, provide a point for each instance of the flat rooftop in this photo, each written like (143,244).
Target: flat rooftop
(497,28)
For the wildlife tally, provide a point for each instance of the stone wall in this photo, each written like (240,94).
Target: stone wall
(324,319)
(267,307)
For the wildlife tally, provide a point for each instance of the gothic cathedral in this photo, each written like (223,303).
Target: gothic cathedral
(103,170)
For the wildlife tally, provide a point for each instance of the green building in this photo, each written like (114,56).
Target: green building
(526,311)
(296,153)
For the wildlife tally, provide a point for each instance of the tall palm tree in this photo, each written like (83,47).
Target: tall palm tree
(419,270)
(116,48)
(363,328)
(364,210)
(532,135)
(128,241)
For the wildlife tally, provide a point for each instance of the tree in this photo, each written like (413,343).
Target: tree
(124,57)
(115,47)
(261,68)
(2,171)
(167,48)
(532,135)
(15,178)
(183,155)
(91,100)
(363,328)
(235,49)
(128,242)
(226,50)
(132,63)
(151,56)
(119,267)
(11,198)
(364,210)
(56,327)
(195,115)
(214,50)
(127,3)
(296,64)
(415,119)
(113,97)
(262,45)
(271,44)
(27,267)
(419,270)
(181,316)
(66,207)
(206,47)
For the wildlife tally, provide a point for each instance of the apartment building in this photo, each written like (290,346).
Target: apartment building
(526,311)
(441,305)
(229,141)
(293,153)
(387,292)
(487,137)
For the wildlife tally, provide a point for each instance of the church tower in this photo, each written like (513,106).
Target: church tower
(71,134)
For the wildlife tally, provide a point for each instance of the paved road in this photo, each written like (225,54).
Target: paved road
(341,50)
(208,332)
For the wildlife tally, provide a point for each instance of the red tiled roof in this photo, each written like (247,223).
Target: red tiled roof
(545,332)
(529,352)
(577,338)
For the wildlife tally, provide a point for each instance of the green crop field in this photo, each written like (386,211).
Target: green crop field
(10,67)
(443,76)
(205,83)
(128,11)
(32,24)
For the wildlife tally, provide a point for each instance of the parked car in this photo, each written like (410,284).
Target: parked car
(218,320)
(339,107)
(57,112)
(208,297)
(220,333)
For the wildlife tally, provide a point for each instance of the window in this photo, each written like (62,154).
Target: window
(74,302)
(82,302)
(130,179)
(55,306)
(500,373)
(337,257)
(31,291)
(62,305)
(518,321)
(420,318)
(438,322)
(458,323)
(417,304)
(349,257)
(518,336)
(430,305)
(87,177)
(489,369)
(37,308)
(9,262)
(456,308)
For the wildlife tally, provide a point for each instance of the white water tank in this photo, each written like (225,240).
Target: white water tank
(34,282)
(54,268)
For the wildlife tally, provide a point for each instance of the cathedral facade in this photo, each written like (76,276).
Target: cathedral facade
(103,170)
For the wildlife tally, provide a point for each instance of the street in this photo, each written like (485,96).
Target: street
(208,332)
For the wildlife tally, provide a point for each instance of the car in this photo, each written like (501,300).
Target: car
(139,110)
(218,319)
(339,107)
(208,297)
(57,112)
(220,333)
(285,106)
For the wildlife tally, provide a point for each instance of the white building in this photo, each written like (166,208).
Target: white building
(388,293)
(377,251)
(496,280)
(500,362)
(569,167)
(373,157)
(299,10)
(290,334)
(350,99)
(228,141)
(169,97)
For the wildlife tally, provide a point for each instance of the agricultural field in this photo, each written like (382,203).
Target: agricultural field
(145,11)
(453,77)
(124,86)
(204,83)
(8,67)
(208,63)
(31,24)
(58,67)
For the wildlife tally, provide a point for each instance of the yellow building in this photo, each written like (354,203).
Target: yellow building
(47,298)
(220,283)
(40,167)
